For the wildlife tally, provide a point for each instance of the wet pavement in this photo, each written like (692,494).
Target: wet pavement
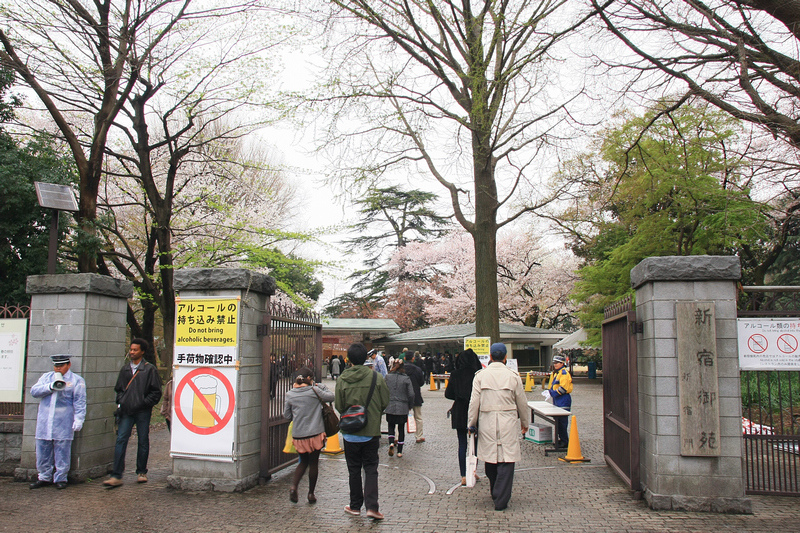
(419,492)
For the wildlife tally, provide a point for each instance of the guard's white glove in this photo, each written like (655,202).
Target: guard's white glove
(76,426)
(547,397)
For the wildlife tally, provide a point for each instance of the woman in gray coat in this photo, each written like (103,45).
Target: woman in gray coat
(401,401)
(304,409)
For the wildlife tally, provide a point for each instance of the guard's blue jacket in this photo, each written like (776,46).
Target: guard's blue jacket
(59,411)
(561,387)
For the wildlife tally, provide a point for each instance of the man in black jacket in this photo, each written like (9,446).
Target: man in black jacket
(417,380)
(138,389)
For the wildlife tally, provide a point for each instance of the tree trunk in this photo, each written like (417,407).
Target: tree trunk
(166,271)
(484,234)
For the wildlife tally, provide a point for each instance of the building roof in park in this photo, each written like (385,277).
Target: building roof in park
(374,327)
(572,341)
(516,333)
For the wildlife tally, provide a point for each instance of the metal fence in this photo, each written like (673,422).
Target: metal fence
(292,339)
(771,404)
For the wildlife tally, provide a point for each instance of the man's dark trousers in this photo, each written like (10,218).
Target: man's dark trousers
(126,422)
(363,455)
(501,480)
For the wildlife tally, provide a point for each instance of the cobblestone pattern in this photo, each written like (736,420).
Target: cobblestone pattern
(548,494)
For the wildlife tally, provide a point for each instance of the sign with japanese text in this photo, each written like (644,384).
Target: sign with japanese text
(205,364)
(206,331)
(203,410)
(481,346)
(13,335)
(698,382)
(769,343)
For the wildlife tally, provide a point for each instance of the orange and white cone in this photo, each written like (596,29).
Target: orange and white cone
(574,454)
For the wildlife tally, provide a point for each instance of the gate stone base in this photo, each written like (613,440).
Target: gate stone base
(204,483)
(670,478)
(203,473)
(83,315)
(698,504)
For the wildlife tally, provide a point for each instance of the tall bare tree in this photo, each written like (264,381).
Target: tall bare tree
(83,61)
(182,179)
(461,88)
(739,55)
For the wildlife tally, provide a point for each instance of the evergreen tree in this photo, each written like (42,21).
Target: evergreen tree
(660,184)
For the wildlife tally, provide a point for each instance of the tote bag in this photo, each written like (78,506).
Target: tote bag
(472,461)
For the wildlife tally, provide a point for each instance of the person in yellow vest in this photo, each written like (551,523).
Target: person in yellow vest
(560,389)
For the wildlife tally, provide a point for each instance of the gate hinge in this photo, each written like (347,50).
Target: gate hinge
(262,330)
(637,327)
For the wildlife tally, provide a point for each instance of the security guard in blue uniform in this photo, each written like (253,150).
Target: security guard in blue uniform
(560,389)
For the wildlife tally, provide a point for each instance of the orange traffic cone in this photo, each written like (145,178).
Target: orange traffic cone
(433,383)
(574,454)
(332,446)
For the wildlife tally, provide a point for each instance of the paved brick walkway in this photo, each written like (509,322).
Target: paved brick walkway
(548,494)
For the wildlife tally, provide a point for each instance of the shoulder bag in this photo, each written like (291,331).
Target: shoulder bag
(329,417)
(355,417)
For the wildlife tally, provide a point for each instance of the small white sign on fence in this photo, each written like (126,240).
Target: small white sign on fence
(769,343)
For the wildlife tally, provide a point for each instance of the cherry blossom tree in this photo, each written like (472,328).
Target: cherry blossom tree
(534,281)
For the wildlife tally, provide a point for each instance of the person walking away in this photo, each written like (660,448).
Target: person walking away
(417,376)
(302,407)
(498,409)
(138,390)
(459,389)
(336,367)
(560,389)
(166,405)
(62,410)
(401,401)
(361,447)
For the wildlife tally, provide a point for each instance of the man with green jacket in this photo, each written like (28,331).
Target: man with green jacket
(361,447)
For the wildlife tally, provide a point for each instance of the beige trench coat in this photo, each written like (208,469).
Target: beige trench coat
(498,407)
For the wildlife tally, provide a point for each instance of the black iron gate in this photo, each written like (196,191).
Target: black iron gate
(620,392)
(291,339)
(771,404)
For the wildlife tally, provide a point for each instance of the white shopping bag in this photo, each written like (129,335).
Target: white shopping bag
(411,424)
(472,461)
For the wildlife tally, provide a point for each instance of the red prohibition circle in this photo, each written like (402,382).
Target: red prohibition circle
(789,340)
(231,400)
(757,343)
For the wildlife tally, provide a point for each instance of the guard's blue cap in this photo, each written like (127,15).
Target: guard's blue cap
(498,348)
(60,358)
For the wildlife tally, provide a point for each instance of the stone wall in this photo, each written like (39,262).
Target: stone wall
(10,446)
(254,289)
(671,480)
(83,315)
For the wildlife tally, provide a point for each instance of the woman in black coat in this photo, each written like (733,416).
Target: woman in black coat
(459,389)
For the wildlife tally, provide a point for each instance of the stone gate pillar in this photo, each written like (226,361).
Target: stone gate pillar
(83,315)
(689,397)
(240,468)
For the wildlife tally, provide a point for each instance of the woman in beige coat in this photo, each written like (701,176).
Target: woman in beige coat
(498,408)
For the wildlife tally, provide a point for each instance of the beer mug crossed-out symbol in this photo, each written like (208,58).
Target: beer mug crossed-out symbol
(201,417)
